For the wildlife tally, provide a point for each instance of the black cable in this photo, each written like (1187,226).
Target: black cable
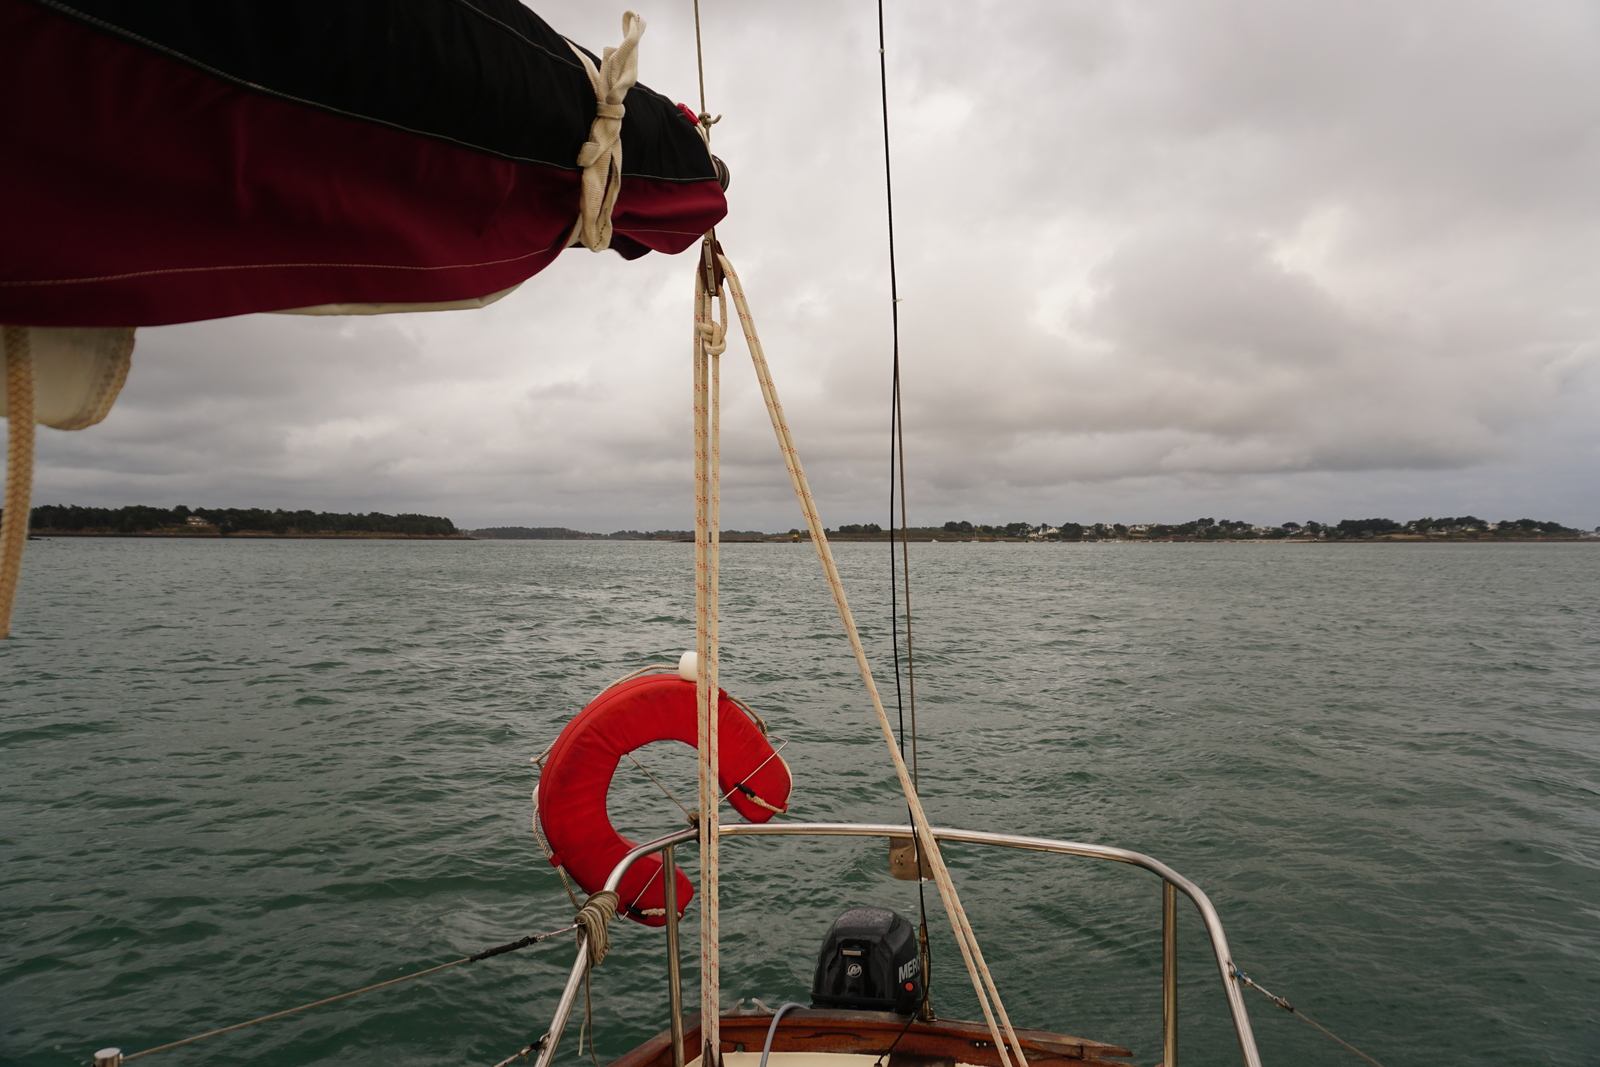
(894,391)
(897,463)
(890,1050)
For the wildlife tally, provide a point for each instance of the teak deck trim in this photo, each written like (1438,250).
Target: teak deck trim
(937,1043)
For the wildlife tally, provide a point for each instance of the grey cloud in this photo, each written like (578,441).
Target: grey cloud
(1155,258)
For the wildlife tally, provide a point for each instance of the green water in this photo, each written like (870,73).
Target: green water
(243,775)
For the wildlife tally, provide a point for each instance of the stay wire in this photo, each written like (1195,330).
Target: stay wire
(700,59)
(897,471)
(706,121)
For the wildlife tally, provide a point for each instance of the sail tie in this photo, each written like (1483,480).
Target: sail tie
(601,155)
(19,466)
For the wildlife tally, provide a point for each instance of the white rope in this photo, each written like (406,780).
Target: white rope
(601,156)
(709,342)
(550,855)
(19,467)
(966,939)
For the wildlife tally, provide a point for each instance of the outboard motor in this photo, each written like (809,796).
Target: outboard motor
(869,962)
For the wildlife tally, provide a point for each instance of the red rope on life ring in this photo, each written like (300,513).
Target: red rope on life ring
(577,776)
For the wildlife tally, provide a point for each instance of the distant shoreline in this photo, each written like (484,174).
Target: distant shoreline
(361,535)
(254,535)
(1404,540)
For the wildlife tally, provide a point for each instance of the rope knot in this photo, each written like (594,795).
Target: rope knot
(715,336)
(595,919)
(601,155)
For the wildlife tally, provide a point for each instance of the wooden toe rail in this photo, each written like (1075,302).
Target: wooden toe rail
(937,1043)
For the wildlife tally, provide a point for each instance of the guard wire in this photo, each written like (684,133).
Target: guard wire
(485,954)
(1292,1010)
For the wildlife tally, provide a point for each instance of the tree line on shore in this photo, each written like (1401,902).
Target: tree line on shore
(140,519)
(1210,529)
(1468,527)
(563,533)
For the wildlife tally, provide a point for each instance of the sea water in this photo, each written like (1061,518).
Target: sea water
(242,775)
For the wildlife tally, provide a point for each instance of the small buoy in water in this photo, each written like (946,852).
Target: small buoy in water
(689,666)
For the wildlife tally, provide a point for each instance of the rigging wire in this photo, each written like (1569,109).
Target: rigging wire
(1007,1046)
(661,787)
(706,121)
(897,469)
(498,950)
(700,61)
(895,454)
(1292,1010)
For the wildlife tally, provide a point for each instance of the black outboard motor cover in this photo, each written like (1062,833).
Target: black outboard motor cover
(869,962)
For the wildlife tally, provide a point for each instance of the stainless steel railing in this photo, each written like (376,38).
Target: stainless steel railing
(1172,882)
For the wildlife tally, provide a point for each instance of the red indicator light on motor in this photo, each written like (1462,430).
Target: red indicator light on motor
(910,986)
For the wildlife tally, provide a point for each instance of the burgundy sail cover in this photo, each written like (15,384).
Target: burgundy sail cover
(190,159)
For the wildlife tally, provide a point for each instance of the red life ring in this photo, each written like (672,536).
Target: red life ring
(577,776)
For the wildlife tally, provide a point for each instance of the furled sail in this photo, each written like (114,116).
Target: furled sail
(194,159)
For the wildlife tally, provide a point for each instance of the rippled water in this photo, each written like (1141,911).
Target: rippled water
(243,775)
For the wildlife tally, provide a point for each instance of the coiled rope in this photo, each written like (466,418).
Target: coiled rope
(19,466)
(601,155)
(994,1012)
(1292,1010)
(595,919)
(498,950)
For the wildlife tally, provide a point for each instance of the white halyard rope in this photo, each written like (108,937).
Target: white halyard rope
(601,156)
(19,466)
(977,969)
(709,342)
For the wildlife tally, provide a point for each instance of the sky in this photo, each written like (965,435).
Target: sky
(1259,259)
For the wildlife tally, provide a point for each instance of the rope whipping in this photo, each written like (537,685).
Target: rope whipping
(488,953)
(710,340)
(982,980)
(1292,1010)
(897,471)
(601,155)
(20,431)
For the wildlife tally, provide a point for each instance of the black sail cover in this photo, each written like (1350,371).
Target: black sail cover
(190,159)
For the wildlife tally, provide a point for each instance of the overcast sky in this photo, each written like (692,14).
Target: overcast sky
(1257,259)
